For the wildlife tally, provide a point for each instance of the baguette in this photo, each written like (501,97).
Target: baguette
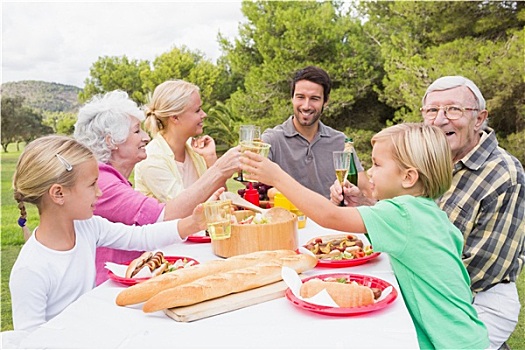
(145,290)
(344,294)
(224,283)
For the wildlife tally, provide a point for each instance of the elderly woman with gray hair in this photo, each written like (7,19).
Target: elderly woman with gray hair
(110,125)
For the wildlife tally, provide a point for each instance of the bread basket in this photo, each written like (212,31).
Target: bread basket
(281,233)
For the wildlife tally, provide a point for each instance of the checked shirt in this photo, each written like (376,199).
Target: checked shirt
(486,202)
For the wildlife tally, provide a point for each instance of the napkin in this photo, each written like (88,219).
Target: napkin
(293,281)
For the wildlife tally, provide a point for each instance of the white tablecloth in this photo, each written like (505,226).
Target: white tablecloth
(95,321)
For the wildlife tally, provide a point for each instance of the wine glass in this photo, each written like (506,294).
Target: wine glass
(247,135)
(341,164)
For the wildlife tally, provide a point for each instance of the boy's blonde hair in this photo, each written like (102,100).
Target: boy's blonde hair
(169,99)
(425,148)
(46,161)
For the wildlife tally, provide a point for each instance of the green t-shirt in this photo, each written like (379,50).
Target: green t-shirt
(425,251)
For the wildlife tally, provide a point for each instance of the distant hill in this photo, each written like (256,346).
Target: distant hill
(44,96)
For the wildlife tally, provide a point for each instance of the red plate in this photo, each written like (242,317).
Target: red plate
(198,238)
(347,262)
(132,281)
(368,281)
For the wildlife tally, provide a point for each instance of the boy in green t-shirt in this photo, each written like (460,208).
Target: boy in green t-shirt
(412,165)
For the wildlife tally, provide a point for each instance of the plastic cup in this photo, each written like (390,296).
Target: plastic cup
(218,218)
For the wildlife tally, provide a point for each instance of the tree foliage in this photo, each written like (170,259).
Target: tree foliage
(220,119)
(421,41)
(381,56)
(140,77)
(61,122)
(20,123)
(281,37)
(112,73)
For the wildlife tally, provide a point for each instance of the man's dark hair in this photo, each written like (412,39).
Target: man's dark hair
(315,75)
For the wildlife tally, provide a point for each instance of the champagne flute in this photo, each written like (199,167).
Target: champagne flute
(341,164)
(247,135)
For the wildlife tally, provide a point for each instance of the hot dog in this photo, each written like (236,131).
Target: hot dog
(136,265)
(154,262)
(161,269)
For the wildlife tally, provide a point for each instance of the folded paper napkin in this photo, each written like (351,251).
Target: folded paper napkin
(293,281)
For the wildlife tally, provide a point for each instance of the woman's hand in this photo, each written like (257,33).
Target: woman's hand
(229,162)
(205,146)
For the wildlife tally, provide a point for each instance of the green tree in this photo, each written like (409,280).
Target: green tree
(140,77)
(112,73)
(60,122)
(20,123)
(282,37)
(190,66)
(222,125)
(421,41)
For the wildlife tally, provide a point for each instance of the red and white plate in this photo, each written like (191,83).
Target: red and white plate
(365,280)
(346,262)
(132,281)
(199,238)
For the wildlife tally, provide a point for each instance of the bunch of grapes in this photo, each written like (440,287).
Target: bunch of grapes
(260,187)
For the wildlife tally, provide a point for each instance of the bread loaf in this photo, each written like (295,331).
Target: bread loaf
(344,294)
(145,290)
(221,284)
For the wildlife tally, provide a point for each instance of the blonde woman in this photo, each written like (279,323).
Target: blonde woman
(176,157)
(412,165)
(57,263)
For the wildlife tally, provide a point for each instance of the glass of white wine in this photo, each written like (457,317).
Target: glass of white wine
(248,134)
(218,218)
(256,147)
(341,165)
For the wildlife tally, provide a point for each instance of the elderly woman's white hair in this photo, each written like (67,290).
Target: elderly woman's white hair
(104,122)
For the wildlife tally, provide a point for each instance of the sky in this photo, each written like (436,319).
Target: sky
(59,41)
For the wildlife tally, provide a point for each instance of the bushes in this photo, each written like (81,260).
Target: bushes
(515,145)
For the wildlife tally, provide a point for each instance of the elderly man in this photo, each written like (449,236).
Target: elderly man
(486,201)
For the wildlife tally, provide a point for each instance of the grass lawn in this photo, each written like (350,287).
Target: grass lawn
(12,240)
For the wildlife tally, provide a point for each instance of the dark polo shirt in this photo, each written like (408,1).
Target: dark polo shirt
(311,164)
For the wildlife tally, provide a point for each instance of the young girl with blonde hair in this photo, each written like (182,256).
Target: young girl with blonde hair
(412,165)
(57,263)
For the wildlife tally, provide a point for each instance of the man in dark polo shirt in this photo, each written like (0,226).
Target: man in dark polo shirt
(303,145)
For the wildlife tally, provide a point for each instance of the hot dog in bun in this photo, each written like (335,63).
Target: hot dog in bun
(154,262)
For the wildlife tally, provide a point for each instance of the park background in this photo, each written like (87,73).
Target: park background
(381,57)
